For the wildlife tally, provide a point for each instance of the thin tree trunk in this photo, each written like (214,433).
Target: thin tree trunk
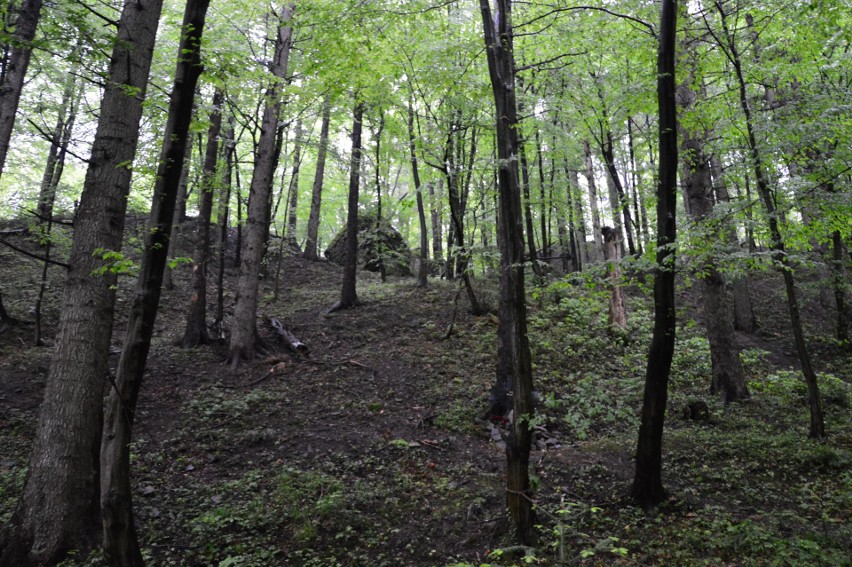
(15,70)
(621,203)
(578,217)
(379,245)
(423,271)
(311,242)
(817,421)
(195,332)
(168,282)
(59,508)
(637,198)
(244,329)
(838,267)
(348,293)
(647,486)
(437,223)
(544,208)
(593,200)
(525,185)
(514,369)
(222,218)
(293,190)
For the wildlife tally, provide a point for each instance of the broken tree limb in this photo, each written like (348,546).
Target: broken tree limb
(289,338)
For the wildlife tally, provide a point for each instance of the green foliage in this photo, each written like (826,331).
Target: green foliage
(115,263)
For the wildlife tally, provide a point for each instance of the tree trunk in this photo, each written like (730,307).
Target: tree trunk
(817,421)
(244,330)
(838,267)
(593,201)
(617,307)
(544,205)
(348,292)
(728,380)
(196,319)
(647,482)
(316,194)
(634,175)
(59,507)
(423,271)
(578,217)
(379,248)
(180,212)
(525,186)
(222,219)
(437,222)
(514,369)
(621,203)
(293,190)
(15,70)
(744,319)
(121,546)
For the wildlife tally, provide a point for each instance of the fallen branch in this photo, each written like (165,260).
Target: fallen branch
(35,256)
(289,338)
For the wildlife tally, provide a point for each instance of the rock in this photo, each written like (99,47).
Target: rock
(383,243)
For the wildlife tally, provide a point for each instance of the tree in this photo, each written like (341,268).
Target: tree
(319,175)
(196,318)
(59,508)
(647,481)
(348,291)
(15,70)
(121,546)
(775,218)
(422,272)
(514,367)
(243,333)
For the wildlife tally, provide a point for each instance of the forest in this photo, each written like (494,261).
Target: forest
(425,282)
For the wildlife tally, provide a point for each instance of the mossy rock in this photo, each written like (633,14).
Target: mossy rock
(377,245)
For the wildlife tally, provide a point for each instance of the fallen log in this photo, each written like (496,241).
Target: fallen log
(289,338)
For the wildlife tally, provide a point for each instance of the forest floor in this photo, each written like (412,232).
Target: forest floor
(372,451)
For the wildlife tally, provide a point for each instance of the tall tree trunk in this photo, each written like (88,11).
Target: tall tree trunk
(728,379)
(15,70)
(744,318)
(244,329)
(525,186)
(348,292)
(514,368)
(617,306)
(578,217)
(817,421)
(180,212)
(293,190)
(222,218)
(637,196)
(593,200)
(621,203)
(59,507)
(838,267)
(195,332)
(437,221)
(544,204)
(316,193)
(647,482)
(379,245)
(60,140)
(121,546)
(423,271)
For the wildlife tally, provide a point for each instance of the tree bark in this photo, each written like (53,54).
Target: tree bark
(244,330)
(180,212)
(437,222)
(348,292)
(525,186)
(744,318)
(423,271)
(647,486)
(316,193)
(222,219)
(622,203)
(196,320)
(514,369)
(593,200)
(728,380)
(617,307)
(15,71)
(293,189)
(59,507)
(121,546)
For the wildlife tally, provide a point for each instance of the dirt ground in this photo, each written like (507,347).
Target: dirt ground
(368,451)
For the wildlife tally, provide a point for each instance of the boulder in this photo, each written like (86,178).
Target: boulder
(376,245)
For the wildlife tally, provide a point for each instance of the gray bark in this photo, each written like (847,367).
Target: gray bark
(316,194)
(59,508)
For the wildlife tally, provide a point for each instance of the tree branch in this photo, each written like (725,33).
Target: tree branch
(35,256)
